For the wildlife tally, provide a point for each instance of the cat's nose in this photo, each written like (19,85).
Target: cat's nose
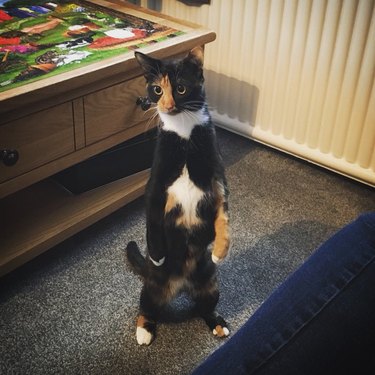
(170,107)
(167,104)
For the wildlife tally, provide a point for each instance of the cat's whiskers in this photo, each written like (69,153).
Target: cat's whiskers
(197,104)
(200,103)
(152,117)
(153,107)
(193,106)
(196,118)
(190,114)
(193,114)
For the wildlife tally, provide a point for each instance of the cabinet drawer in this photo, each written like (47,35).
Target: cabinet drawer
(114,109)
(38,138)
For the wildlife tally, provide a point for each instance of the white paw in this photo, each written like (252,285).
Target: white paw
(215,259)
(143,336)
(158,263)
(225,332)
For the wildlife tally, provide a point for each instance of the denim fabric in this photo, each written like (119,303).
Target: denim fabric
(321,320)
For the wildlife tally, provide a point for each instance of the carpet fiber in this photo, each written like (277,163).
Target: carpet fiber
(72,310)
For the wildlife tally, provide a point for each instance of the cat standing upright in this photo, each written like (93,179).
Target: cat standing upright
(186,198)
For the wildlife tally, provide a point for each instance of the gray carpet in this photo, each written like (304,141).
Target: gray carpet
(72,310)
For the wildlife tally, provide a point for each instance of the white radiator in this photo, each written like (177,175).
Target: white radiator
(297,75)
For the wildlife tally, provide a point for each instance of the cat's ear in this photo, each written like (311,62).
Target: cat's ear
(196,55)
(149,64)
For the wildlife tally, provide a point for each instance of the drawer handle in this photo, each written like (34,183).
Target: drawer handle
(9,157)
(144,102)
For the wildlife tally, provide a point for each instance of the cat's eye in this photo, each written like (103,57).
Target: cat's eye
(158,90)
(181,89)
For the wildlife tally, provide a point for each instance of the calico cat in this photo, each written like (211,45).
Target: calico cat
(186,198)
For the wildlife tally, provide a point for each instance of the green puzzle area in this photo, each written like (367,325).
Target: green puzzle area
(39,39)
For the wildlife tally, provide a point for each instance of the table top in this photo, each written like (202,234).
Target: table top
(47,49)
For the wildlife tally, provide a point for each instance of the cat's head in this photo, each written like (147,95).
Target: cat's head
(175,85)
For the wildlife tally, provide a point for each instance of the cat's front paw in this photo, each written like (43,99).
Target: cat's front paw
(219,254)
(222,239)
(216,259)
(159,262)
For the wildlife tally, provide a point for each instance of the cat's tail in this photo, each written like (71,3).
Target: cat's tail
(135,258)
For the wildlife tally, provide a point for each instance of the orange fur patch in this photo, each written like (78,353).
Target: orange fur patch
(221,242)
(166,103)
(141,321)
(188,222)
(171,203)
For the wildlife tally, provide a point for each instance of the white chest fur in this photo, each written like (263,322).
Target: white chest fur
(183,123)
(188,195)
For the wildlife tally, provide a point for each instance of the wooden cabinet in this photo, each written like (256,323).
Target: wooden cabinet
(38,139)
(36,212)
(118,100)
(62,120)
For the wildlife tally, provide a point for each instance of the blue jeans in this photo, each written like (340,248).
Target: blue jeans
(321,320)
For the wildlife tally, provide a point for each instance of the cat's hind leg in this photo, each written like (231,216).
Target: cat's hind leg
(152,302)
(146,329)
(217,325)
(206,296)
(155,296)
(205,306)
